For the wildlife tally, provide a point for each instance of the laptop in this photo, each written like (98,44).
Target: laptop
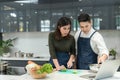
(107,69)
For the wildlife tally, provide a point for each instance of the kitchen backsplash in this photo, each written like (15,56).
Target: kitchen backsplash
(37,42)
(30,42)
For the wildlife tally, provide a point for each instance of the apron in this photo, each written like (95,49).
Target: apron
(85,54)
(62,58)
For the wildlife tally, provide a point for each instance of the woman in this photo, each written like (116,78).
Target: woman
(91,47)
(62,45)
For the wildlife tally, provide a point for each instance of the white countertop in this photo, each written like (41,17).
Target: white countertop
(9,77)
(24,58)
(57,76)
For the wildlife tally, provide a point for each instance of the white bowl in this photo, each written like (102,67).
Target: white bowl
(94,67)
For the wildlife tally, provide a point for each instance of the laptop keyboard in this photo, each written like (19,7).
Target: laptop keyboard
(89,76)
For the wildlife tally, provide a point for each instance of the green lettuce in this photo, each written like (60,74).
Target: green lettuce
(47,67)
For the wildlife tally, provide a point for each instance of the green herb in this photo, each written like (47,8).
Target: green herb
(5,45)
(112,52)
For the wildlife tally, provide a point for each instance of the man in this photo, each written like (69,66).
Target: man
(91,47)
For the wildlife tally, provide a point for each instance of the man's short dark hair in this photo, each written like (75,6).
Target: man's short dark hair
(83,17)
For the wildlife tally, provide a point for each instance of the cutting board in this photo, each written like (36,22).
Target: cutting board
(68,71)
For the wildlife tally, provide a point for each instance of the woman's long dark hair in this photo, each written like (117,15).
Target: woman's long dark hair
(63,21)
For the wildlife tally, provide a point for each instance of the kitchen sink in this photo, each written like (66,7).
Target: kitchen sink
(13,71)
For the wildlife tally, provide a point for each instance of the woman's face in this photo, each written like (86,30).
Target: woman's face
(65,30)
(85,26)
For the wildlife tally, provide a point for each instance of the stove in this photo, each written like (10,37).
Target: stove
(13,71)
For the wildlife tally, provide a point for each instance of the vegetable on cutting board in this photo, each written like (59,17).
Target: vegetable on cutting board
(63,70)
(75,72)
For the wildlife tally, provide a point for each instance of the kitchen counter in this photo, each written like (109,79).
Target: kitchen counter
(22,61)
(57,76)
(24,58)
(9,77)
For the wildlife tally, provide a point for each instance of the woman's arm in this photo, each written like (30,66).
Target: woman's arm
(56,63)
(52,51)
(72,54)
(70,62)
(51,45)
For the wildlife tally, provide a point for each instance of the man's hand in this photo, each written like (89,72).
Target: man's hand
(102,58)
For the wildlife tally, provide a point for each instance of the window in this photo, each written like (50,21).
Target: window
(118,22)
(45,25)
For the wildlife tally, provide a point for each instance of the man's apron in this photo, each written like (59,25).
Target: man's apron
(85,54)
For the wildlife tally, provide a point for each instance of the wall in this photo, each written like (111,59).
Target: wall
(29,42)
(112,39)
(37,42)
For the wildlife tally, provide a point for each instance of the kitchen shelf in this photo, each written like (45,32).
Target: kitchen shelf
(23,59)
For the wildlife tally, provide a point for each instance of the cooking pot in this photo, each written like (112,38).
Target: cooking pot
(19,54)
(3,66)
(29,55)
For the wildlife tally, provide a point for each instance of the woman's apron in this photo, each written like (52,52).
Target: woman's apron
(85,54)
(62,58)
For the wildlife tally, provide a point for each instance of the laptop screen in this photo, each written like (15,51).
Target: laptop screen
(107,69)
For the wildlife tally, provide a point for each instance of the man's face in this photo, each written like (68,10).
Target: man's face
(85,26)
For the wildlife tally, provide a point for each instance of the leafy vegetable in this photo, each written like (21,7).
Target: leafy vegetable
(47,67)
(5,45)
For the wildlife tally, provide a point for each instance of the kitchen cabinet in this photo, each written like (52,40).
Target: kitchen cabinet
(32,17)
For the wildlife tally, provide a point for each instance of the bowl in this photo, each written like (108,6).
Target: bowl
(36,75)
(39,76)
(94,67)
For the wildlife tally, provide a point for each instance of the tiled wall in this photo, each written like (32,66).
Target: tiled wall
(37,42)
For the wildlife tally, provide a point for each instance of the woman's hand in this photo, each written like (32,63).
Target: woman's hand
(60,67)
(69,64)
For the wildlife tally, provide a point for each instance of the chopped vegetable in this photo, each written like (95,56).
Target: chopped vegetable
(63,70)
(74,72)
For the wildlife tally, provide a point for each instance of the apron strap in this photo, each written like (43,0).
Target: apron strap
(92,34)
(80,34)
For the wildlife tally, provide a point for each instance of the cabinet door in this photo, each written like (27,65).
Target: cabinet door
(43,16)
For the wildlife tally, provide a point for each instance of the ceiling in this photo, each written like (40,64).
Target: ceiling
(41,1)
(62,3)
